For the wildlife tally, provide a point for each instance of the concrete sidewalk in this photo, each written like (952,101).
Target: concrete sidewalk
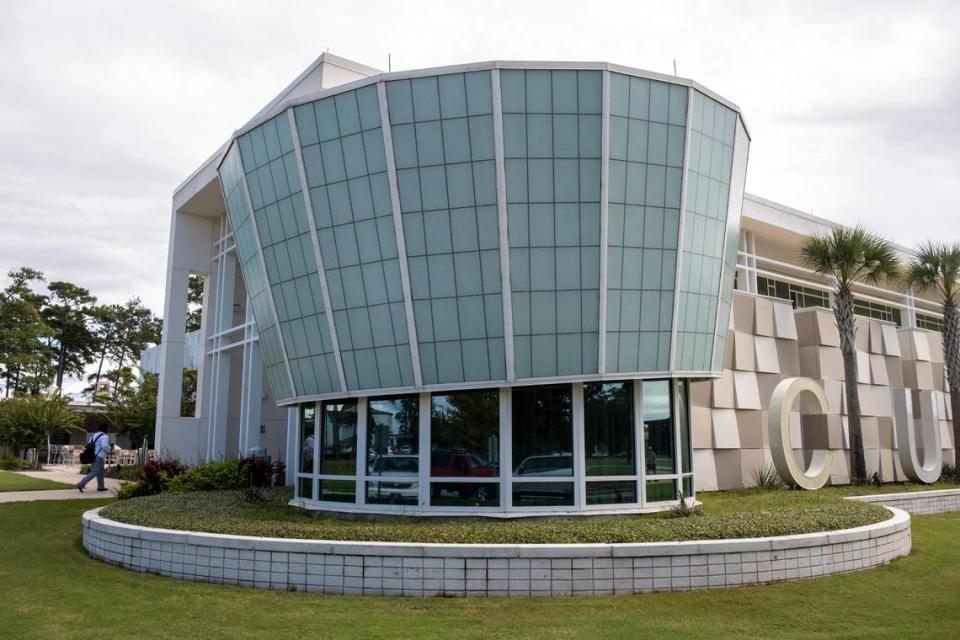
(67,475)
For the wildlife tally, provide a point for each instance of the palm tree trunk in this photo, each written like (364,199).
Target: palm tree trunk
(951,356)
(847,328)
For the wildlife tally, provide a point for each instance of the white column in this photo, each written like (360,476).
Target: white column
(423,442)
(220,371)
(251,390)
(506,448)
(579,453)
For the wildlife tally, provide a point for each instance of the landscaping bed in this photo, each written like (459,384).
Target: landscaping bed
(736,514)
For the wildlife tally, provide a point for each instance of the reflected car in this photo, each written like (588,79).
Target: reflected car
(550,465)
(394,467)
(463,463)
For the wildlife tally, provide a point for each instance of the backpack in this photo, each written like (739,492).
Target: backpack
(90,451)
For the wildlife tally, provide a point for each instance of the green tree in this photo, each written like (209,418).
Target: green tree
(28,422)
(935,268)
(67,313)
(24,356)
(849,256)
(133,410)
(135,329)
(194,302)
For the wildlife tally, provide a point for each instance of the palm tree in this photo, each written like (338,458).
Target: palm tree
(935,268)
(849,256)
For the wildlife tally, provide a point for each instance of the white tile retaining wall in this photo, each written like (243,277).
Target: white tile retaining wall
(492,570)
(918,502)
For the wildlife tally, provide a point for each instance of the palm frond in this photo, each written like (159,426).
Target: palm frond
(851,255)
(935,268)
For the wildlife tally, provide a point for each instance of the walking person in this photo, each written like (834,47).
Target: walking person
(101,447)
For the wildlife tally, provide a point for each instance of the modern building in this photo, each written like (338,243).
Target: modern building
(508,288)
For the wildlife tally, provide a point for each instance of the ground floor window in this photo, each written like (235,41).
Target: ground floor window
(589,446)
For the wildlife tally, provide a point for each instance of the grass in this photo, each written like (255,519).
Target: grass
(10,481)
(49,585)
(742,514)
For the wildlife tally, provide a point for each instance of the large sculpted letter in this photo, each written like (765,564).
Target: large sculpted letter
(929,471)
(778,426)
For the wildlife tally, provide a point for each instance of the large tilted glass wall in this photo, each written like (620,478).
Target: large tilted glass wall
(391,213)
(442,130)
(647,127)
(552,148)
(570,447)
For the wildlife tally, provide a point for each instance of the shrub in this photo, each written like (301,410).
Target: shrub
(12,463)
(949,473)
(211,476)
(767,477)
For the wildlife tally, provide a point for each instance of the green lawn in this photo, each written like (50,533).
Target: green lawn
(49,586)
(10,481)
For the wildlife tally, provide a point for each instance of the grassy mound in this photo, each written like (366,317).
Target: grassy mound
(739,514)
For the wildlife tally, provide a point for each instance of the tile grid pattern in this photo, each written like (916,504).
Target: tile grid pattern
(452,570)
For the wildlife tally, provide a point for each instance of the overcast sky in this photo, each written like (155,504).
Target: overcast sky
(854,107)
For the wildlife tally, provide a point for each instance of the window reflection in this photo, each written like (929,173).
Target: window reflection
(543,431)
(464,434)
(611,492)
(661,490)
(339,439)
(658,436)
(307,439)
(543,494)
(452,494)
(609,429)
(393,443)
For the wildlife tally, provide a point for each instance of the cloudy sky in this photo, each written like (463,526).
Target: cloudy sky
(854,107)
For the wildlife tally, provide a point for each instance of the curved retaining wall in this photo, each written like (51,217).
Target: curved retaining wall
(376,568)
(918,502)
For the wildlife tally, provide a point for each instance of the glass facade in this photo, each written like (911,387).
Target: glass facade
(713,129)
(552,145)
(384,212)
(565,447)
(443,147)
(647,133)
(345,168)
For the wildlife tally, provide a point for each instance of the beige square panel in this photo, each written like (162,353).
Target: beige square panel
(918,375)
(821,363)
(766,383)
(841,468)
(827,329)
(947,407)
(946,434)
(894,371)
(872,459)
(876,338)
(701,427)
(869,427)
(907,350)
(704,470)
(752,426)
(845,431)
(723,396)
(921,346)
(728,352)
(863,333)
(834,391)
(867,403)
(863,367)
(885,433)
(701,393)
(935,341)
(878,369)
(766,351)
(784,323)
(888,471)
(883,402)
(744,306)
(729,469)
(743,352)
(821,432)
(788,353)
(746,393)
(751,461)
(939,376)
(891,344)
(725,433)
(763,321)
(806,322)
